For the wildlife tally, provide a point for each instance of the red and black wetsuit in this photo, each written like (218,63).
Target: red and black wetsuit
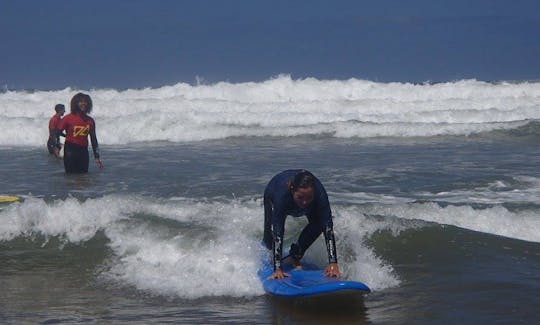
(78,127)
(54,138)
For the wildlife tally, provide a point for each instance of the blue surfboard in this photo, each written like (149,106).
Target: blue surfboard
(307,281)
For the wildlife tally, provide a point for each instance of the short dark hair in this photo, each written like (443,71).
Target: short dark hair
(303,179)
(75,103)
(59,107)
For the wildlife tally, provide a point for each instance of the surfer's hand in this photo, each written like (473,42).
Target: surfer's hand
(332,269)
(56,152)
(278,274)
(99,163)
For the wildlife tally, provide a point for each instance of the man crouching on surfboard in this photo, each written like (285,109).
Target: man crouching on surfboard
(297,192)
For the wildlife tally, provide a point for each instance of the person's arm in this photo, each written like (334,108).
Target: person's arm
(277,252)
(267,235)
(52,127)
(332,269)
(56,132)
(95,146)
(278,225)
(54,141)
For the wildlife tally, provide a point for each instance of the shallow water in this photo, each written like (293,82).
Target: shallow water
(444,230)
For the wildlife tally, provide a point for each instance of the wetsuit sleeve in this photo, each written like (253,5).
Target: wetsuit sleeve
(93,139)
(267,236)
(278,227)
(325,215)
(330,240)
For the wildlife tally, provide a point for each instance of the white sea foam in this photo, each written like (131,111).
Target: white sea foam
(280,107)
(191,249)
(497,220)
(185,248)
(522,189)
(491,216)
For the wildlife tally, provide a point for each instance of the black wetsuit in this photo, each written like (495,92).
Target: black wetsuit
(279,202)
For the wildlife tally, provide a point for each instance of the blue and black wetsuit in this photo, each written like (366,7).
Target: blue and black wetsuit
(279,202)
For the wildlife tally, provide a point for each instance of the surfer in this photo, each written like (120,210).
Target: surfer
(54,139)
(79,126)
(297,192)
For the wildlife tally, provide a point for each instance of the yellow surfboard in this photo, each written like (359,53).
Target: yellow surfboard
(9,198)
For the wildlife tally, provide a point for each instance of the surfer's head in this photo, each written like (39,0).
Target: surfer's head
(59,108)
(81,103)
(302,188)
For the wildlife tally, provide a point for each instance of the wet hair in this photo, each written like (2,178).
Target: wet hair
(59,107)
(75,103)
(303,179)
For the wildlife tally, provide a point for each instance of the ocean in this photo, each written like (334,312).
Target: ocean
(434,189)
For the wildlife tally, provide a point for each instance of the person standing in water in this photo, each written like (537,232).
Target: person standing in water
(78,126)
(54,139)
(297,192)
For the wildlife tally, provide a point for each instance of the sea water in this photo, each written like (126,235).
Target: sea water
(434,190)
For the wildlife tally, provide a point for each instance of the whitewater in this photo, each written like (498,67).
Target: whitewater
(280,107)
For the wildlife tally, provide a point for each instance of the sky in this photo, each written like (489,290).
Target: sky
(150,43)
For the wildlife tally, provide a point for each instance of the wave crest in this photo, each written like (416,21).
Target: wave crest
(281,107)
